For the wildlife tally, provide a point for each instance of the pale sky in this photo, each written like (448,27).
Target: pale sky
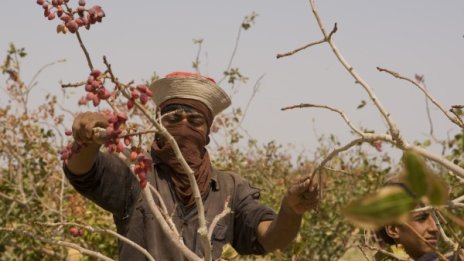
(140,37)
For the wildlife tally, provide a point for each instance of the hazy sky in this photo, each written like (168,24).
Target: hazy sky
(140,37)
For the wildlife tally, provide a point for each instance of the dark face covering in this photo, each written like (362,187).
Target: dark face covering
(191,142)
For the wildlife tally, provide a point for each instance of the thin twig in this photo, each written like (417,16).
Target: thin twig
(73,85)
(218,217)
(232,56)
(278,56)
(443,235)
(62,181)
(34,78)
(164,209)
(255,90)
(342,114)
(364,253)
(87,56)
(456,120)
(197,58)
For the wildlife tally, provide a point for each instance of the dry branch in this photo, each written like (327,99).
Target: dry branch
(453,118)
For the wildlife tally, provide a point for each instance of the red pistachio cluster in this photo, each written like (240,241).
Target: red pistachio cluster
(70,149)
(95,89)
(142,165)
(72,18)
(76,232)
(116,121)
(141,92)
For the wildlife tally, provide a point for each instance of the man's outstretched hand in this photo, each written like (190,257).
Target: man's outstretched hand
(302,196)
(83,126)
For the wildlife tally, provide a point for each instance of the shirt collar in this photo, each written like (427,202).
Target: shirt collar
(214,180)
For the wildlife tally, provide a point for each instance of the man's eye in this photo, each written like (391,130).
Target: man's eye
(196,120)
(173,118)
(422,217)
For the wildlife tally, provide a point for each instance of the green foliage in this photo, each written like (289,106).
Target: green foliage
(422,181)
(382,207)
(248,21)
(389,204)
(233,75)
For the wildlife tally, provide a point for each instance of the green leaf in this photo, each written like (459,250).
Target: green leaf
(385,206)
(422,181)
(416,173)
(437,192)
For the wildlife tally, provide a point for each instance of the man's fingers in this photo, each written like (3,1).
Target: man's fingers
(84,123)
(304,188)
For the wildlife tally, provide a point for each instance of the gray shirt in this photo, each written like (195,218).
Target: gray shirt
(112,186)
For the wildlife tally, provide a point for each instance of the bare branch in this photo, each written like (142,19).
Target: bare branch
(456,120)
(232,56)
(172,235)
(164,211)
(73,85)
(443,235)
(386,115)
(342,114)
(255,90)
(278,56)
(219,217)
(436,158)
(87,56)
(34,78)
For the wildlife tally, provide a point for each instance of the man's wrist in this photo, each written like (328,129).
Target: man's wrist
(287,210)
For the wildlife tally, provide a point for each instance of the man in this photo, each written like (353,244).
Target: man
(418,235)
(188,104)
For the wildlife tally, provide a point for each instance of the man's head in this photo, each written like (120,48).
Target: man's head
(417,224)
(189,98)
(182,88)
(188,103)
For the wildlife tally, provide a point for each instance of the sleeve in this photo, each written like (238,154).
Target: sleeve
(110,184)
(248,213)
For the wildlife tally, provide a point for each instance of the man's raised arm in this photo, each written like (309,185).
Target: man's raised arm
(82,161)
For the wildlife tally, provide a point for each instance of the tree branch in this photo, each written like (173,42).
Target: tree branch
(456,120)
(172,235)
(218,217)
(386,115)
(342,114)
(278,56)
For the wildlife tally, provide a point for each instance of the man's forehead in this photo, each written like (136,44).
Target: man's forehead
(421,213)
(178,107)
